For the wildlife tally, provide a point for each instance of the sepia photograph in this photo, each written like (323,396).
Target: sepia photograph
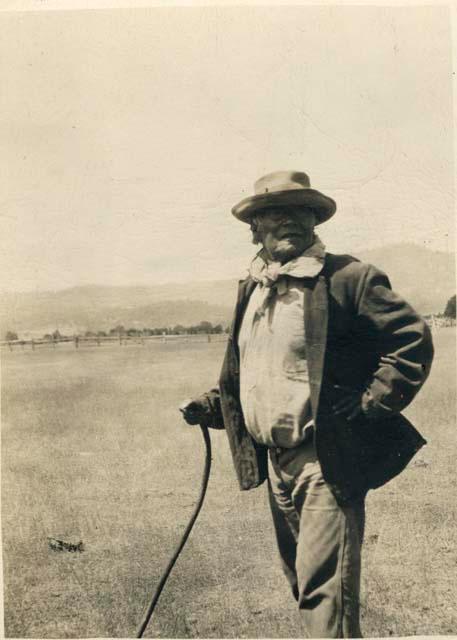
(227,320)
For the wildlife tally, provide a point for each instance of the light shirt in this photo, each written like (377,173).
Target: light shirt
(274,383)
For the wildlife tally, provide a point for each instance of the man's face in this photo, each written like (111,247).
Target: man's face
(285,232)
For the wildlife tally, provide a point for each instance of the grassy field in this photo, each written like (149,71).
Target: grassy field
(94,451)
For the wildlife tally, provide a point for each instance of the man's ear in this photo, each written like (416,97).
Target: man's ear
(254,224)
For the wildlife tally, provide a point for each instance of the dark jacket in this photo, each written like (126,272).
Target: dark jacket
(360,335)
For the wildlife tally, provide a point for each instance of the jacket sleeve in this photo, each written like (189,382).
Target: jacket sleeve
(404,346)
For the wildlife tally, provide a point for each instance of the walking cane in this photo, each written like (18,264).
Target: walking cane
(182,542)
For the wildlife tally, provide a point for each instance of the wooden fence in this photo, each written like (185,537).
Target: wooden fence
(121,340)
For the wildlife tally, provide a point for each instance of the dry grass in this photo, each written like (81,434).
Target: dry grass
(94,450)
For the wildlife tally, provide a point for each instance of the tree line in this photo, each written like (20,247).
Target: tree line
(203,327)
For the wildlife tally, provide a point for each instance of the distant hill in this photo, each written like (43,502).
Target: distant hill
(425,278)
(98,307)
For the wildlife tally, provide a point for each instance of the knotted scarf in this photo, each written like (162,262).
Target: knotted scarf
(274,277)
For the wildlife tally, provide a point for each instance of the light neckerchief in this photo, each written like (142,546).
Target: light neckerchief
(307,265)
(270,275)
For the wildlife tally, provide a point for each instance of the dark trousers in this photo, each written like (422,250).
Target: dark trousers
(319,543)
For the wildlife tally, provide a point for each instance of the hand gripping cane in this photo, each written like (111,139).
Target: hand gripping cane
(180,546)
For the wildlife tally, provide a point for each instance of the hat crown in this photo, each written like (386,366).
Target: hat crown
(281,181)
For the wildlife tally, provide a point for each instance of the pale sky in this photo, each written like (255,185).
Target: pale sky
(128,135)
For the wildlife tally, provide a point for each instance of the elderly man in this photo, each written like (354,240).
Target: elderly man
(322,357)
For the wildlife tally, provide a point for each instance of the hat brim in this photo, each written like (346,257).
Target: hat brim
(323,206)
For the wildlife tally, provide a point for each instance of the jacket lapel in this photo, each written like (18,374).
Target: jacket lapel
(245,288)
(316,321)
